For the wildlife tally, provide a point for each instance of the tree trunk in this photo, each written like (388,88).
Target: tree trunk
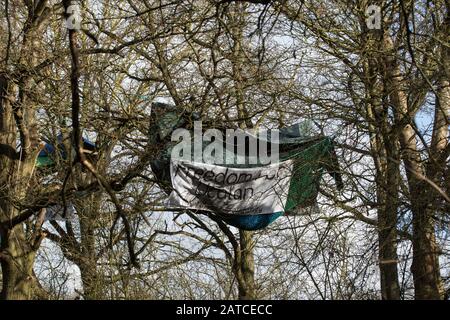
(247,266)
(17,266)
(16,260)
(425,265)
(89,279)
(384,149)
(92,288)
(387,224)
(17,252)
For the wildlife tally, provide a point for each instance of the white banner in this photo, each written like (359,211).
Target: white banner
(240,191)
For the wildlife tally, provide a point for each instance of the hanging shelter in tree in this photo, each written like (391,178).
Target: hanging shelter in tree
(47,158)
(240,190)
(49,154)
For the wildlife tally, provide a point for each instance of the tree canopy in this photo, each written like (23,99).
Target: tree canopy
(81,77)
